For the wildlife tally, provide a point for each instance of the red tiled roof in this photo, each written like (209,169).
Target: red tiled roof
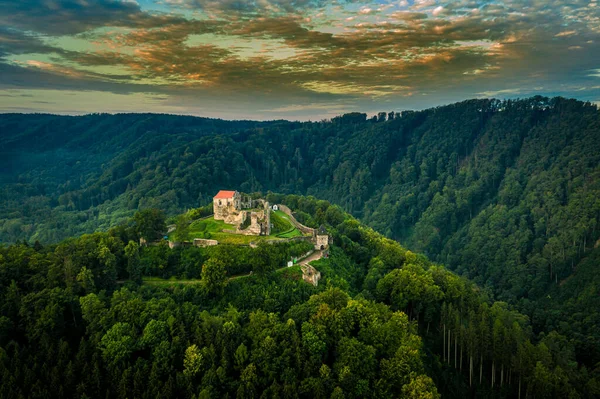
(225,194)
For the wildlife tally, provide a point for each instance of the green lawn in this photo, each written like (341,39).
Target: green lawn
(290,231)
(283,215)
(208,225)
(238,239)
(213,229)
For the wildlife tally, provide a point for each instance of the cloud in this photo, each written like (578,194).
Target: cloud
(437,11)
(16,42)
(47,77)
(566,33)
(504,92)
(338,108)
(255,7)
(63,17)
(300,55)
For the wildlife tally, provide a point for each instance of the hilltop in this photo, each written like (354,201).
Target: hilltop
(243,220)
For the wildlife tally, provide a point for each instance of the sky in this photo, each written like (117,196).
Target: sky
(291,59)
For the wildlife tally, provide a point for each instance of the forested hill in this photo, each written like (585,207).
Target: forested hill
(506,193)
(100,316)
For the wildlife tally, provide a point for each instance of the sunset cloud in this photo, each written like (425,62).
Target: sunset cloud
(303,57)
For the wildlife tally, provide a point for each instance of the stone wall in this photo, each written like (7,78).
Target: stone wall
(260,221)
(202,242)
(322,242)
(247,202)
(267,210)
(175,244)
(310,275)
(304,229)
(282,240)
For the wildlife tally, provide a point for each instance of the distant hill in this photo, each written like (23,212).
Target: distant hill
(505,193)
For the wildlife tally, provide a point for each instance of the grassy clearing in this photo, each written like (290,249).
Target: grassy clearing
(161,282)
(290,231)
(213,229)
(209,225)
(282,215)
(204,228)
(292,273)
(238,239)
(280,223)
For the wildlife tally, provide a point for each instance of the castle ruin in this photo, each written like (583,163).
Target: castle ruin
(250,217)
(322,239)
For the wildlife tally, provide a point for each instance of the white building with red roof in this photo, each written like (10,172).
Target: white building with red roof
(227,206)
(250,217)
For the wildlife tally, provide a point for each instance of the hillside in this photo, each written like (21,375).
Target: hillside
(101,316)
(505,193)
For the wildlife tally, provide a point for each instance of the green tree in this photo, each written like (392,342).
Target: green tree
(118,343)
(182,227)
(192,362)
(420,387)
(150,224)
(86,280)
(241,357)
(133,261)
(214,276)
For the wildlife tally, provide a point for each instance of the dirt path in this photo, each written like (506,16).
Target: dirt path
(314,256)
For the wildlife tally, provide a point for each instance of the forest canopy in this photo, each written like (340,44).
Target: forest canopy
(82,318)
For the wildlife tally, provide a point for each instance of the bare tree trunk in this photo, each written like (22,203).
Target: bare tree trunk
(455,351)
(493,369)
(519,386)
(448,346)
(480,368)
(471,371)
(502,375)
(444,343)
(461,356)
